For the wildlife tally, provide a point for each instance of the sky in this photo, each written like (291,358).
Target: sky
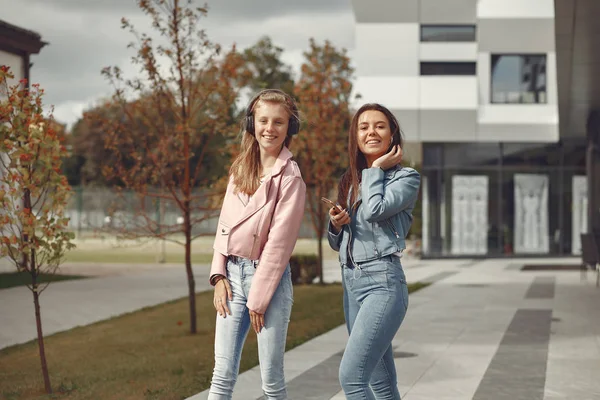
(85,35)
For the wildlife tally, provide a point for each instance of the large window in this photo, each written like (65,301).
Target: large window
(503,198)
(518,79)
(448,68)
(447,33)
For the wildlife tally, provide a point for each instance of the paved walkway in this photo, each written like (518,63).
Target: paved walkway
(484,330)
(120,289)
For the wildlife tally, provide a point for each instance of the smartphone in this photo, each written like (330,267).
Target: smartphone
(330,203)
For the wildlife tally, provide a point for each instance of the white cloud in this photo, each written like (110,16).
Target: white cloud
(85,36)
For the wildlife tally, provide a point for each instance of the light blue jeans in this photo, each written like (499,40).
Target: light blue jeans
(232,330)
(375,303)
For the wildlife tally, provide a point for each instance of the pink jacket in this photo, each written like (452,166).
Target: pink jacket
(264,228)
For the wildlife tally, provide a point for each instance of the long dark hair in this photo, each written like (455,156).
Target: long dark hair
(358,162)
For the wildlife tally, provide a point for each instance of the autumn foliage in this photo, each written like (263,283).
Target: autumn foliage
(323,92)
(178,109)
(33,190)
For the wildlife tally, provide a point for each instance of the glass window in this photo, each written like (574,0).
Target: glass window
(473,226)
(518,79)
(432,206)
(530,207)
(448,68)
(531,155)
(574,210)
(432,155)
(447,33)
(575,152)
(471,155)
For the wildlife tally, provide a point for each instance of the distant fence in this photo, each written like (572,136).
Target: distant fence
(94,209)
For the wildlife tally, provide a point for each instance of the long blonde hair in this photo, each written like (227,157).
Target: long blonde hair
(246,168)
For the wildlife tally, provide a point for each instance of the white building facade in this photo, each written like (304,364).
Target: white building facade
(475,82)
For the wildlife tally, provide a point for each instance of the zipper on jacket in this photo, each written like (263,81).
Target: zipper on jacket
(391,224)
(257,230)
(253,244)
(374,239)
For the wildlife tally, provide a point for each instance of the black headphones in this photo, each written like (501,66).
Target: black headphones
(293,123)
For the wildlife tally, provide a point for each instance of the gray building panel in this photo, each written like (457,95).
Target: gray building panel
(518,132)
(409,123)
(448,12)
(448,125)
(526,35)
(385,11)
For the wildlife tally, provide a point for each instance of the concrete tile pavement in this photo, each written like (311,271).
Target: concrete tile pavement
(456,342)
(468,337)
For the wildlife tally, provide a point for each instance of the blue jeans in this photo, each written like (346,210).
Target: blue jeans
(375,303)
(232,330)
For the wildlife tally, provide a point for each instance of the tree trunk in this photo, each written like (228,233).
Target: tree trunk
(30,265)
(188,269)
(40,335)
(320,256)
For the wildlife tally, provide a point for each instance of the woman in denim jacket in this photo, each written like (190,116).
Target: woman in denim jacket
(376,197)
(258,227)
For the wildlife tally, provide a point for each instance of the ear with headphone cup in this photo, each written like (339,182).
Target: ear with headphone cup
(293,126)
(250,122)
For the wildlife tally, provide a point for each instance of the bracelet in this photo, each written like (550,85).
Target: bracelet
(217,278)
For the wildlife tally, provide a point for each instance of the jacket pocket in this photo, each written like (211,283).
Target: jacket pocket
(223,228)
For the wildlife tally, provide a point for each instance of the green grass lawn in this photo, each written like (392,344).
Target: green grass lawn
(130,257)
(149,354)
(11,279)
(111,250)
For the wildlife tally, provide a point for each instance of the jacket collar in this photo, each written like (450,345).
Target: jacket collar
(281,162)
(259,199)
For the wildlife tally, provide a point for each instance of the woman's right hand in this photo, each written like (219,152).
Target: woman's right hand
(338,218)
(222,293)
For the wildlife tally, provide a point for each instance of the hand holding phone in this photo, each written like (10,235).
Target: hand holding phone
(331,204)
(337,216)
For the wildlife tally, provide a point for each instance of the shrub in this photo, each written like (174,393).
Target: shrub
(304,268)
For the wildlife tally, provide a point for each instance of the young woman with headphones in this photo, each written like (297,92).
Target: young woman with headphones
(257,231)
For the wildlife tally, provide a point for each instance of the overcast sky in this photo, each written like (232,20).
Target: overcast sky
(85,35)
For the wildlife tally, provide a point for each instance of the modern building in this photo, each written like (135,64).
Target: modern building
(499,93)
(16,47)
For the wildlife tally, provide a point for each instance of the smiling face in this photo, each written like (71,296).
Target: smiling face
(373,134)
(270,126)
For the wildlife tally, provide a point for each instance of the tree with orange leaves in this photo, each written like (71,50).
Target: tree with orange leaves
(33,191)
(323,93)
(180,109)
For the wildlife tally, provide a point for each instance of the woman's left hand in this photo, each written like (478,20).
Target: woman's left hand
(257,320)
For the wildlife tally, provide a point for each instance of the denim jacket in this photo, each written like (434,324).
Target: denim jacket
(381,221)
